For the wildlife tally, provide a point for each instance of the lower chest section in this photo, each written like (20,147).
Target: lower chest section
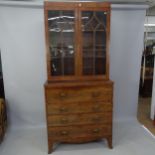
(79,111)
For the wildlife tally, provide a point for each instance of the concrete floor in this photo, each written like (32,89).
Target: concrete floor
(129,138)
(143,114)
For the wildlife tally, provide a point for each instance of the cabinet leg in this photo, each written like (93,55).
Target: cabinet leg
(109,140)
(50,147)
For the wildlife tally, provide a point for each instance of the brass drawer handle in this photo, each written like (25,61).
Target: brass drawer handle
(64,133)
(96,108)
(95,94)
(64,120)
(63,109)
(96,130)
(62,95)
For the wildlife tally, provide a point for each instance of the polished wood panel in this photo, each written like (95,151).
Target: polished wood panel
(79,107)
(77,94)
(64,133)
(86,118)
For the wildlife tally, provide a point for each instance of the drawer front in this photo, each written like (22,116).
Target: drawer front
(79,107)
(60,133)
(78,94)
(72,119)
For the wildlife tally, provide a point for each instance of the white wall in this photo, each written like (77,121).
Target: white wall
(24,67)
(127,30)
(23,58)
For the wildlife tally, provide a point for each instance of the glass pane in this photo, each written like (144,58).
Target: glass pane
(94,42)
(88,65)
(61,40)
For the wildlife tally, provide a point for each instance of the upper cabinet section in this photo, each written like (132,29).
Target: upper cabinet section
(77,40)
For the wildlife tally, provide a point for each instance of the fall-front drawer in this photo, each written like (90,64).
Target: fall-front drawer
(60,133)
(78,94)
(79,107)
(70,119)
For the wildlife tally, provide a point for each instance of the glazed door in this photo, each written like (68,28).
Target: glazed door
(61,48)
(94,45)
(61,37)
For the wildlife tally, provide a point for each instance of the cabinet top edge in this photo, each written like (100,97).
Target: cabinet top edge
(76,1)
(48,4)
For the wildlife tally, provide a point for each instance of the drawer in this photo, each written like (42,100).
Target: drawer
(79,107)
(78,94)
(77,119)
(62,133)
